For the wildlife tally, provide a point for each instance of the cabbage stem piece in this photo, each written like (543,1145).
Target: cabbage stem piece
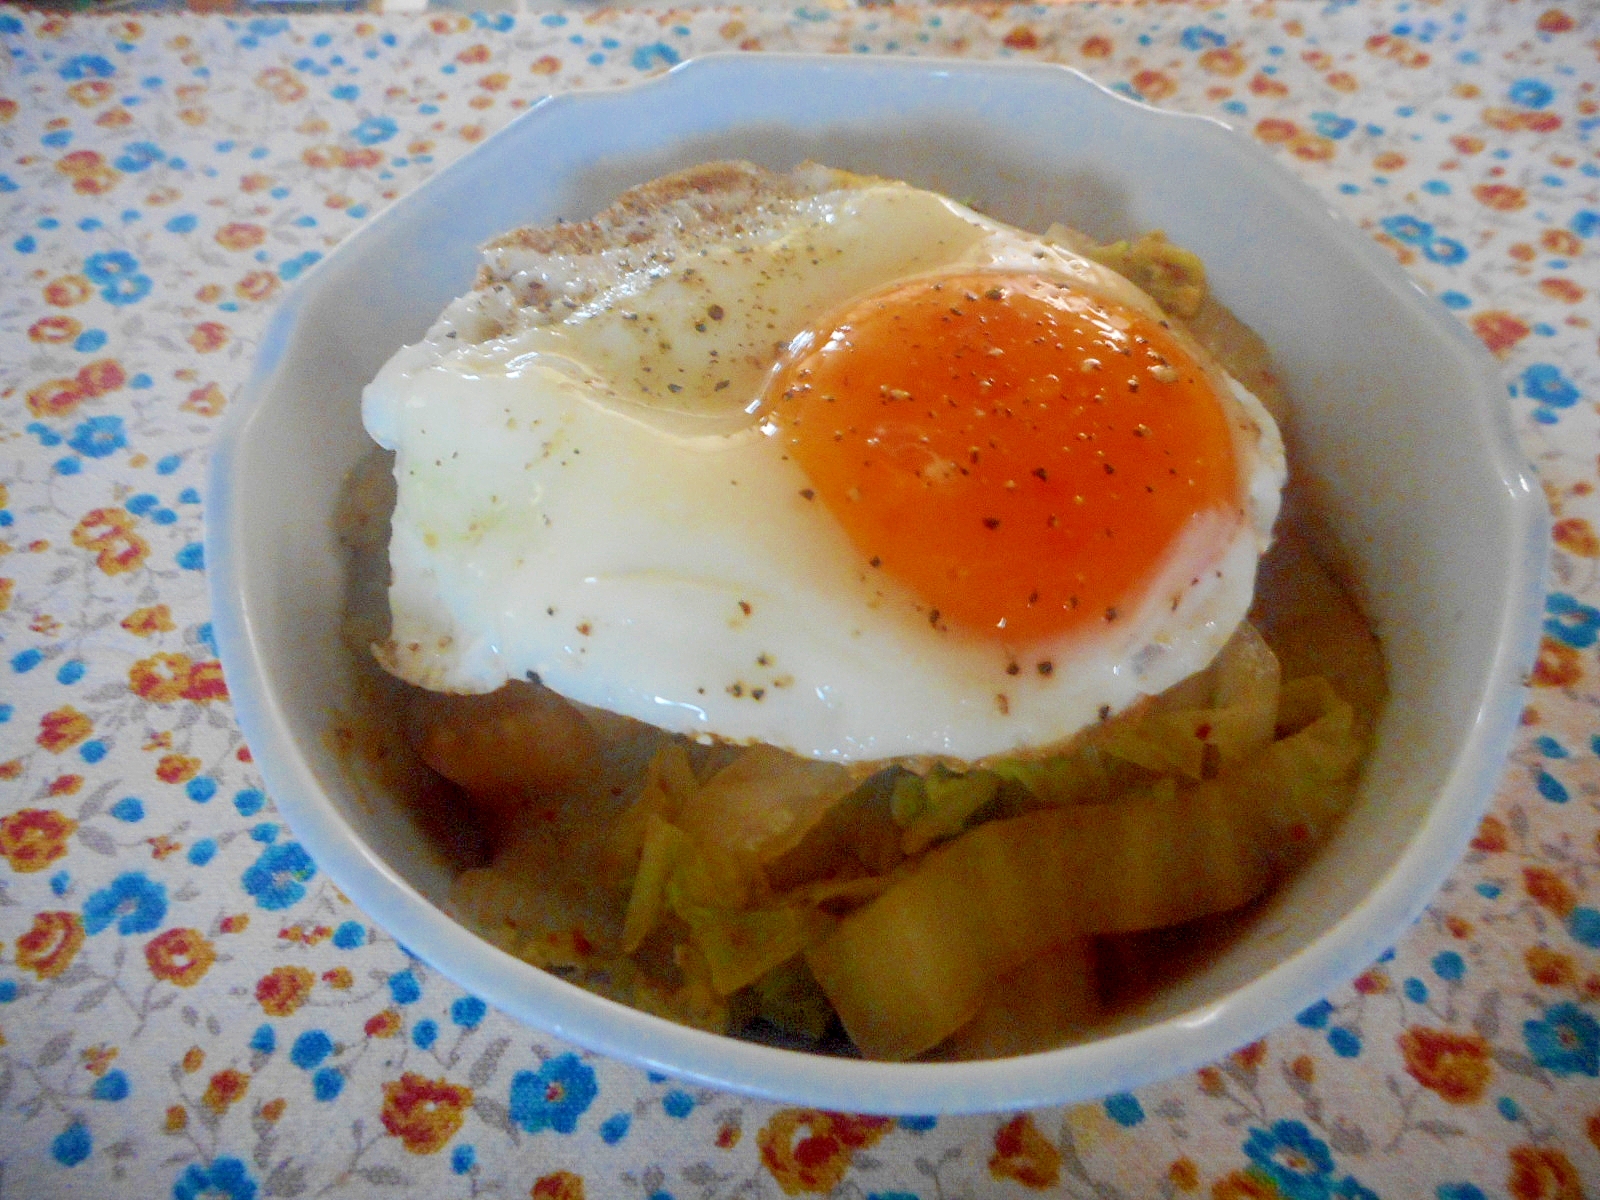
(914,965)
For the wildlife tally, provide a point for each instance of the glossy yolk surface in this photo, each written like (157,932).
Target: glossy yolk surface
(1020,455)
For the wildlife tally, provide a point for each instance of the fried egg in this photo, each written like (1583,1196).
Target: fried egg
(822,461)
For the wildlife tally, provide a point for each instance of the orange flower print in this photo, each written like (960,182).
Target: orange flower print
(90,92)
(177,768)
(179,956)
(1022,38)
(1543,1173)
(809,1150)
(240,235)
(1499,331)
(258,285)
(1558,665)
(208,401)
(34,838)
(424,1113)
(50,944)
(1577,536)
(383,1025)
(144,622)
(67,291)
(558,1185)
(63,728)
(1022,1153)
(1457,1066)
(102,376)
(1223,60)
(205,682)
(1154,85)
(283,989)
(6,587)
(109,533)
(1501,197)
(55,329)
(1550,968)
(226,1087)
(160,678)
(208,336)
(1549,891)
(282,84)
(55,398)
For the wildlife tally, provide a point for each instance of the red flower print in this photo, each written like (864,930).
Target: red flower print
(1543,1173)
(208,336)
(34,838)
(1499,331)
(809,1150)
(424,1113)
(1456,1066)
(559,1185)
(1549,891)
(143,622)
(1502,197)
(179,956)
(160,678)
(109,533)
(63,728)
(53,330)
(1022,1153)
(209,401)
(55,398)
(177,768)
(102,376)
(226,1087)
(50,944)
(283,989)
(67,291)
(240,235)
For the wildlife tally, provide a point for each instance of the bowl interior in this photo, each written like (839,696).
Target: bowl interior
(1398,425)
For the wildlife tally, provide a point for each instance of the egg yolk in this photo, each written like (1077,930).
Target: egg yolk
(1021,455)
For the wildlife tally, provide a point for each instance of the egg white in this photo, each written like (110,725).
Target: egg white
(584,496)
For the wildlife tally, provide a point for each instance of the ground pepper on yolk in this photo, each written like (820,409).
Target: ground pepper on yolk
(1021,456)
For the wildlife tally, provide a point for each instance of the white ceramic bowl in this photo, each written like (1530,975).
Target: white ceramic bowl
(1400,419)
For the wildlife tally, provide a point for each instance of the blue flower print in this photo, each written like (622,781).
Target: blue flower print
(646,58)
(1545,383)
(554,1096)
(129,289)
(117,273)
(98,437)
(1576,624)
(224,1179)
(1198,37)
(136,903)
(1297,1163)
(1332,125)
(1407,229)
(374,130)
(277,879)
(87,66)
(109,265)
(1565,1042)
(72,1145)
(1531,93)
(138,156)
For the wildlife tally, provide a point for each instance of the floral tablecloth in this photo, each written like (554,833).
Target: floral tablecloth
(189,1007)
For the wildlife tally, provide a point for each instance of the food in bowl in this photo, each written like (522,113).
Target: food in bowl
(860,584)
